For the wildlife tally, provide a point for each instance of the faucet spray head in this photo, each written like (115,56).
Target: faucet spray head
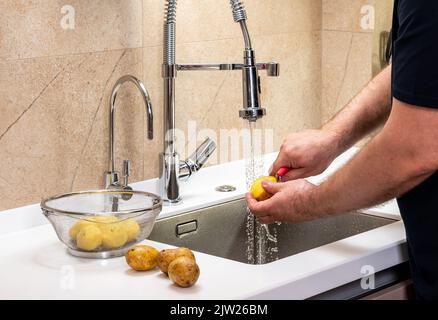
(251,83)
(239,12)
(252,114)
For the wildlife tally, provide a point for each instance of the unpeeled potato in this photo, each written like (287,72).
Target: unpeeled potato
(142,258)
(165,257)
(184,271)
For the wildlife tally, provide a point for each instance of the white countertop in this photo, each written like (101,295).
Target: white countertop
(35,265)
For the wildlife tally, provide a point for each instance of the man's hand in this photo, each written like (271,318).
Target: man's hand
(288,202)
(310,152)
(307,153)
(403,155)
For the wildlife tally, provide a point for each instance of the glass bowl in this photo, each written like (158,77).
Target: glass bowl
(102,223)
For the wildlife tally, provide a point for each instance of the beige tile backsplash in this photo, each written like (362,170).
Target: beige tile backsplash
(55,83)
(347,52)
(31,29)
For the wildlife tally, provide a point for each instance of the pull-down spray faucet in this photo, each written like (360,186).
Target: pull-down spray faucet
(252,109)
(172,169)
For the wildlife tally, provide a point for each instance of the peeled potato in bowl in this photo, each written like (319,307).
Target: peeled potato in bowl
(96,221)
(89,238)
(113,236)
(131,228)
(114,233)
(77,227)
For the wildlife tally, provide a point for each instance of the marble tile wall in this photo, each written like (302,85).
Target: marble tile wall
(350,50)
(347,43)
(56,74)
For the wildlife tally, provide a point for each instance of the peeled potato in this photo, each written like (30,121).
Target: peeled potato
(184,272)
(165,257)
(257,190)
(132,229)
(113,236)
(142,258)
(105,219)
(77,227)
(89,238)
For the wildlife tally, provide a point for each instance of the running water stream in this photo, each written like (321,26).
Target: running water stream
(261,239)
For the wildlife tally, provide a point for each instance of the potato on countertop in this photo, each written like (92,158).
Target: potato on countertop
(142,258)
(184,272)
(165,257)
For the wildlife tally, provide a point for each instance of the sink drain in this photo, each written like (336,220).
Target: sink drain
(226,188)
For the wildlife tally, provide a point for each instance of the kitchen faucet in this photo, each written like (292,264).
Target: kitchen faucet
(112,177)
(172,170)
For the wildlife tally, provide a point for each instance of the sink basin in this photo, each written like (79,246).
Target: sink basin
(222,231)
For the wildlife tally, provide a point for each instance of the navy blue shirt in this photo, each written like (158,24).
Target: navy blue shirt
(415,81)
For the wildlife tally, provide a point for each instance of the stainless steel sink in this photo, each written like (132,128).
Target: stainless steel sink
(222,231)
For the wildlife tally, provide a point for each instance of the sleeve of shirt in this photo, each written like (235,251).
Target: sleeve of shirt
(415,55)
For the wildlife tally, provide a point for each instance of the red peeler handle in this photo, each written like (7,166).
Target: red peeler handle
(282,172)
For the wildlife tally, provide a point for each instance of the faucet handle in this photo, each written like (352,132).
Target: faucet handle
(111,179)
(202,153)
(197,160)
(272,68)
(126,172)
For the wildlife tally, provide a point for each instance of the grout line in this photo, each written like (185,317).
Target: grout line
(73,54)
(9,59)
(255,35)
(347,31)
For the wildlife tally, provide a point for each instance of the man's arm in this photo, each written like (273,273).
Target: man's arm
(403,154)
(365,112)
(311,152)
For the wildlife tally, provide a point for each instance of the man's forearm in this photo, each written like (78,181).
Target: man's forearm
(366,181)
(364,113)
(402,156)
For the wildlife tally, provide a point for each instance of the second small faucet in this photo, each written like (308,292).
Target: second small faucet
(112,177)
